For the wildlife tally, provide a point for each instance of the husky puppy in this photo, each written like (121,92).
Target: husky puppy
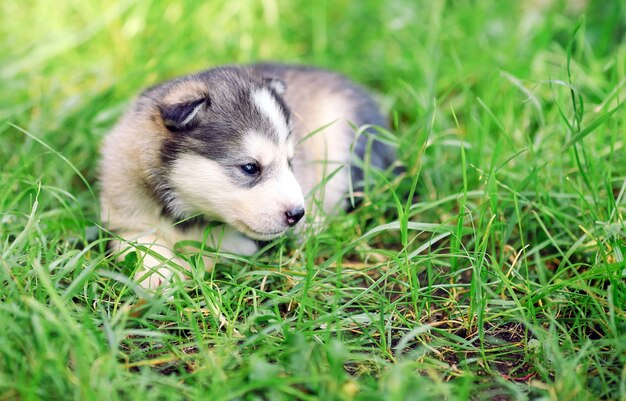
(238,145)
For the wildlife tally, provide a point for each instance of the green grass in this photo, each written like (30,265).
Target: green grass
(503,277)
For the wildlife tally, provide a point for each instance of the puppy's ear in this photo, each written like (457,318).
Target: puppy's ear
(182,116)
(277,85)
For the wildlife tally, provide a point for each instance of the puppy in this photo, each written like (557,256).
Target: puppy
(252,148)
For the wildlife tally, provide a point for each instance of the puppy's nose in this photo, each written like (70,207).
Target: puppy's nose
(293,216)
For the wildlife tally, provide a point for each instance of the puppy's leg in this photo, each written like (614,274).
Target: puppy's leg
(159,262)
(223,239)
(228,239)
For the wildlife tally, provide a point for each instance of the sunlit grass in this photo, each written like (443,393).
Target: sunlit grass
(493,269)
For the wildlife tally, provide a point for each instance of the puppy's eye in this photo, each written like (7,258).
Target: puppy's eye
(251,168)
(290,162)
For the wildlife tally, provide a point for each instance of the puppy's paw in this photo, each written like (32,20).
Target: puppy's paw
(158,273)
(228,239)
(151,279)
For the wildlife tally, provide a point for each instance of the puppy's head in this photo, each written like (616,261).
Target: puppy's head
(228,150)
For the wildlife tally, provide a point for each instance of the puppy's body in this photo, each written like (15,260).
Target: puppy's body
(232,145)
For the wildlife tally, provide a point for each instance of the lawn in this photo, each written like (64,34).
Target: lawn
(492,270)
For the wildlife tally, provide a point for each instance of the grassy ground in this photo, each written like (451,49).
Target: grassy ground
(502,276)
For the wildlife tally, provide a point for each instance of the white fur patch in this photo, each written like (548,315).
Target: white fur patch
(265,151)
(261,148)
(266,103)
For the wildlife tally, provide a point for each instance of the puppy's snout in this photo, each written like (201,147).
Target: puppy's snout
(293,216)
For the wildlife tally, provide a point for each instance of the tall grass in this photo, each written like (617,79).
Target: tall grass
(492,270)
